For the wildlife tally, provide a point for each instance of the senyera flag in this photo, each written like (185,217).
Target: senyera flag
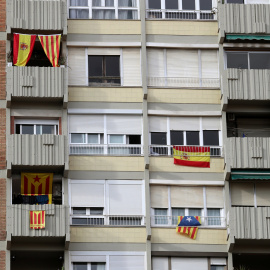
(51,47)
(37,220)
(195,156)
(22,48)
(188,225)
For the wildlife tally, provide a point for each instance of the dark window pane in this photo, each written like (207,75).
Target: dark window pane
(27,129)
(205,4)
(171,4)
(96,211)
(193,138)
(237,60)
(156,4)
(259,60)
(95,65)
(134,139)
(48,129)
(79,211)
(188,4)
(79,266)
(97,266)
(235,1)
(18,130)
(112,66)
(210,137)
(177,137)
(158,138)
(79,221)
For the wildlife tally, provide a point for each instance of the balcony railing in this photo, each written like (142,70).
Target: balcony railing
(108,220)
(173,14)
(172,221)
(106,149)
(167,150)
(183,82)
(56,220)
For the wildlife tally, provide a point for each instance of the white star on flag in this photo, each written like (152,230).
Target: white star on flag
(188,219)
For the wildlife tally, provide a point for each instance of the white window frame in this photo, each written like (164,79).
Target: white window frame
(123,136)
(114,8)
(86,138)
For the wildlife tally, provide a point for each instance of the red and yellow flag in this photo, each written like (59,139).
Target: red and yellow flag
(37,220)
(190,231)
(195,156)
(36,183)
(51,47)
(23,46)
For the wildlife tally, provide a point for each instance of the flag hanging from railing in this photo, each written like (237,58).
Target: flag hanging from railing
(195,156)
(188,225)
(37,220)
(51,47)
(23,46)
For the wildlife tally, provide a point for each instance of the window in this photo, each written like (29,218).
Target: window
(104,69)
(92,266)
(104,9)
(93,213)
(213,217)
(183,9)
(248,60)
(192,137)
(86,138)
(161,216)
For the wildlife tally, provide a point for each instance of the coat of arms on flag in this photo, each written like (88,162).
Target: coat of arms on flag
(37,220)
(188,225)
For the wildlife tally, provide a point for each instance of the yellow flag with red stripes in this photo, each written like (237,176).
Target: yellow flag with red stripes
(37,220)
(51,47)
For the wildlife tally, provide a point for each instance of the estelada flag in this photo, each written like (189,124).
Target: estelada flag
(188,225)
(36,183)
(37,220)
(51,47)
(195,156)
(23,46)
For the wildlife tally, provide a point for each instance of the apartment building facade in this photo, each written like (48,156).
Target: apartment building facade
(139,78)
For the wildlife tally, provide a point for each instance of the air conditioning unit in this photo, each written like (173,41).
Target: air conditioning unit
(231,117)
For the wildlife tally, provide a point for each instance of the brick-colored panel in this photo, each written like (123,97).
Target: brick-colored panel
(2,260)
(2,66)
(2,15)
(2,138)
(2,210)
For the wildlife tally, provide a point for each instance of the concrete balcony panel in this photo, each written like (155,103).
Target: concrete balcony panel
(245,84)
(244,19)
(37,150)
(248,152)
(37,15)
(250,222)
(56,220)
(37,82)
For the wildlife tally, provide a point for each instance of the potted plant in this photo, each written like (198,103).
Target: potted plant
(62,61)
(9,59)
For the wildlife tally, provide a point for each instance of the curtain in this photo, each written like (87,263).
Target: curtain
(79,14)
(127,15)
(81,3)
(103,14)
(127,3)
(215,214)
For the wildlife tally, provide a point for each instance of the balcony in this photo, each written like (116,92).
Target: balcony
(37,15)
(248,152)
(249,223)
(56,220)
(36,82)
(246,84)
(243,19)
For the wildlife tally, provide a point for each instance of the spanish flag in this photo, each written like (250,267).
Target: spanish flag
(37,220)
(51,47)
(188,225)
(195,156)
(23,46)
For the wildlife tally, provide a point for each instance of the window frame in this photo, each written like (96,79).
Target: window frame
(86,138)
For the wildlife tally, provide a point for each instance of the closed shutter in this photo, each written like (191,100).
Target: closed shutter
(77,66)
(242,194)
(185,123)
(131,67)
(126,262)
(155,60)
(87,194)
(263,194)
(189,263)
(124,124)
(209,59)
(160,263)
(86,123)
(214,197)
(103,51)
(157,124)
(211,123)
(187,197)
(159,196)
(125,199)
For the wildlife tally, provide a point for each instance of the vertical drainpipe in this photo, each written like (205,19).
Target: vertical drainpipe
(145,134)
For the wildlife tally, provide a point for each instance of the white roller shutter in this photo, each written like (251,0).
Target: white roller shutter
(160,263)
(214,197)
(209,60)
(157,124)
(211,123)
(126,262)
(242,194)
(87,195)
(124,124)
(159,196)
(125,199)
(155,60)
(103,51)
(77,66)
(189,263)
(185,123)
(86,123)
(262,194)
(131,67)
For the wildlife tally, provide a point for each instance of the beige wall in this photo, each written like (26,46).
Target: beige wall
(109,235)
